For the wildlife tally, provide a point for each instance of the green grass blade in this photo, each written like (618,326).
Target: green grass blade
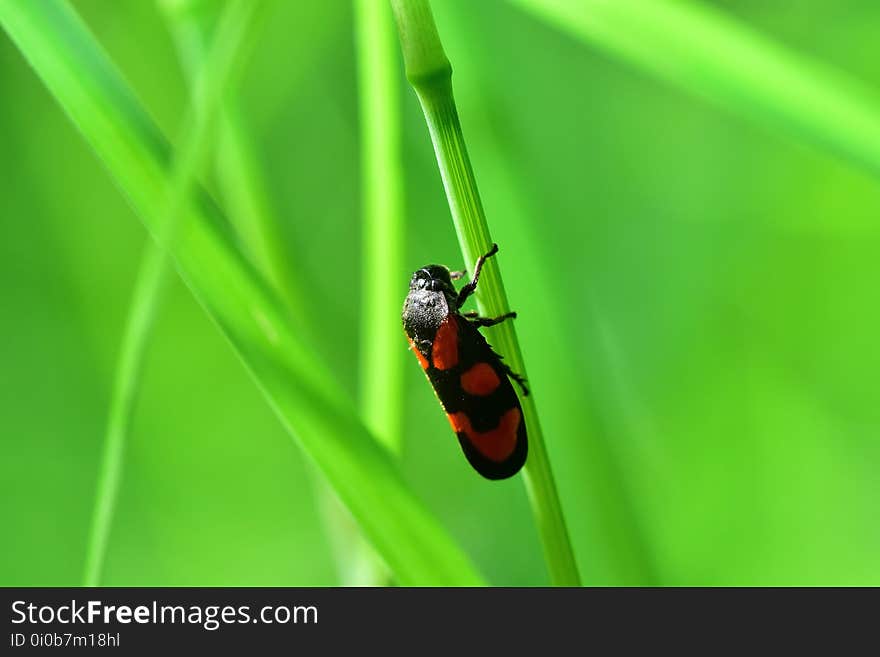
(723,60)
(150,277)
(429,72)
(381,352)
(381,365)
(216,71)
(307,399)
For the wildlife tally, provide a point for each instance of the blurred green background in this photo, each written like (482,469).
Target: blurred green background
(697,299)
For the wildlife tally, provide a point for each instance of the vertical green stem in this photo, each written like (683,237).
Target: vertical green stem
(430,74)
(219,66)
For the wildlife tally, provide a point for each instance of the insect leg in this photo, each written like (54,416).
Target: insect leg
(520,380)
(468,288)
(455,275)
(488,321)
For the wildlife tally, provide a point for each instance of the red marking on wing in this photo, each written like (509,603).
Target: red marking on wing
(422,360)
(457,421)
(444,353)
(480,380)
(496,444)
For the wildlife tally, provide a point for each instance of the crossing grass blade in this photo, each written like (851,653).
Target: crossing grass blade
(712,55)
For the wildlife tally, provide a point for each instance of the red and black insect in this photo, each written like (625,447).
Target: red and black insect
(470,380)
